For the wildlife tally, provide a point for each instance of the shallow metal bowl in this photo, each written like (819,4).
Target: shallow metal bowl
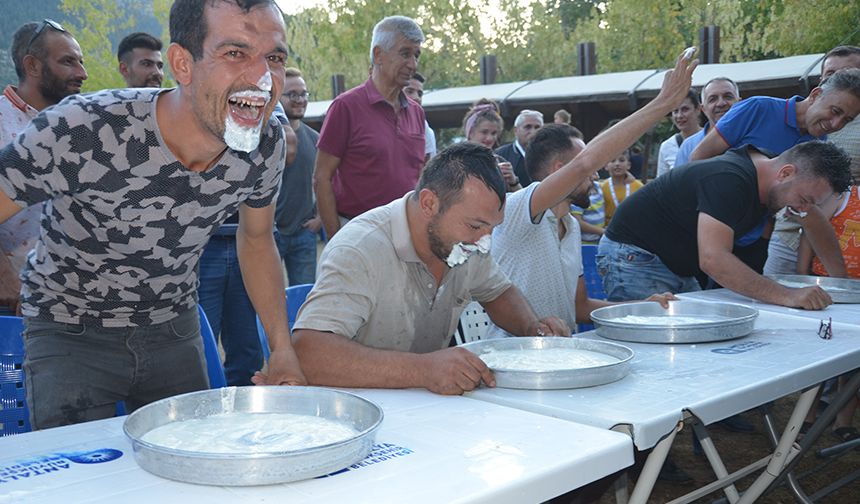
(254,468)
(732,321)
(841,290)
(561,379)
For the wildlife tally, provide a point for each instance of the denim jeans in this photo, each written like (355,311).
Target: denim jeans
(632,273)
(223,298)
(299,253)
(76,373)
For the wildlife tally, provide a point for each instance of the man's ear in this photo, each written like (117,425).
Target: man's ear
(814,94)
(32,66)
(123,69)
(786,171)
(180,61)
(428,202)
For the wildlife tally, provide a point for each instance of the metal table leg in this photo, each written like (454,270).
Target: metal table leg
(648,476)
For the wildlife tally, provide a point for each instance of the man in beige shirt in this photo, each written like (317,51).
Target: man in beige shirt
(393,282)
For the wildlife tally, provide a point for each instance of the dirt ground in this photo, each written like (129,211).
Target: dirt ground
(739,449)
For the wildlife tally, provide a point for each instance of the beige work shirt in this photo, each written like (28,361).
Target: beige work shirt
(372,287)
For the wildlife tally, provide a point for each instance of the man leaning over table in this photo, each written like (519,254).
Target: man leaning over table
(393,282)
(135,183)
(686,222)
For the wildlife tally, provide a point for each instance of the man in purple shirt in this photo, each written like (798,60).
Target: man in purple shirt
(371,147)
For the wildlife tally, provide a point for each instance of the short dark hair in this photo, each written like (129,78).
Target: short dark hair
(188,22)
(22,38)
(417,76)
(693,96)
(821,160)
(841,52)
(137,40)
(18,49)
(292,72)
(447,172)
(551,141)
(847,79)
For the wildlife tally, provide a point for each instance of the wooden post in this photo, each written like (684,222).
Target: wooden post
(337,85)
(709,44)
(488,69)
(586,58)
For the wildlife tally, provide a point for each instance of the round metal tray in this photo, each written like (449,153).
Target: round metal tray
(561,379)
(734,321)
(841,290)
(258,468)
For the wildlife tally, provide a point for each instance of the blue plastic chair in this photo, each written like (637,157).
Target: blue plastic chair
(14,416)
(296,296)
(214,367)
(593,280)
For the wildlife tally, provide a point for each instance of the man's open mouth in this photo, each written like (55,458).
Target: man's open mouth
(246,107)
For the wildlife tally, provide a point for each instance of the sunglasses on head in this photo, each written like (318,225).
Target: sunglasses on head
(46,23)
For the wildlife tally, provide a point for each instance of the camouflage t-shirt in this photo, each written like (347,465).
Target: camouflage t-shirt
(125,222)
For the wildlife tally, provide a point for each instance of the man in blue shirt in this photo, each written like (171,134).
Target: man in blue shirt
(776,124)
(718,96)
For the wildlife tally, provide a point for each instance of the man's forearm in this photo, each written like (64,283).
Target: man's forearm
(327,206)
(512,312)
(730,272)
(336,361)
(823,240)
(10,285)
(264,281)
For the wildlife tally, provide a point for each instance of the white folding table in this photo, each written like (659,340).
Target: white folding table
(709,382)
(429,449)
(845,313)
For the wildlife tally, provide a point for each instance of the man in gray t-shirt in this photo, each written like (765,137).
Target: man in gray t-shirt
(296,217)
(134,183)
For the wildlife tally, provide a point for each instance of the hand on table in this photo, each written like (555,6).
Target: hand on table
(809,298)
(452,371)
(284,369)
(663,298)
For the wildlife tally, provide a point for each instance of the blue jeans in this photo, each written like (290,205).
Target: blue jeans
(632,273)
(223,298)
(76,373)
(299,253)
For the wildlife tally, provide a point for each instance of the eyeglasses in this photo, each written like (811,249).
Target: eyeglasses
(825,330)
(46,23)
(297,97)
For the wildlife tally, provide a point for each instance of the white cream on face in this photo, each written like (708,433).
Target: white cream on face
(244,138)
(460,252)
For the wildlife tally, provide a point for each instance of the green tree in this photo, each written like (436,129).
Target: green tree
(93,23)
(336,40)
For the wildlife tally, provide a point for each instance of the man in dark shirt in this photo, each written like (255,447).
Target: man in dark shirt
(686,222)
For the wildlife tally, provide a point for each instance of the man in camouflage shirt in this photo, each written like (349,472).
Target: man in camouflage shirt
(135,182)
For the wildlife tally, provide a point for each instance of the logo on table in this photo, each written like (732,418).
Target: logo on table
(379,453)
(54,462)
(740,348)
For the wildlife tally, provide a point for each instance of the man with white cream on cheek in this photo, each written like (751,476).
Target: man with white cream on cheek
(393,282)
(137,180)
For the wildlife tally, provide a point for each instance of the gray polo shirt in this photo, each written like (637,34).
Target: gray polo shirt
(373,288)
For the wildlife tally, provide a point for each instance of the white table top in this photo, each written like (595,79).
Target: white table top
(842,312)
(430,449)
(713,380)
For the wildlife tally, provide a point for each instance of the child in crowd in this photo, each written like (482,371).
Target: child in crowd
(592,219)
(846,223)
(620,185)
(483,124)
